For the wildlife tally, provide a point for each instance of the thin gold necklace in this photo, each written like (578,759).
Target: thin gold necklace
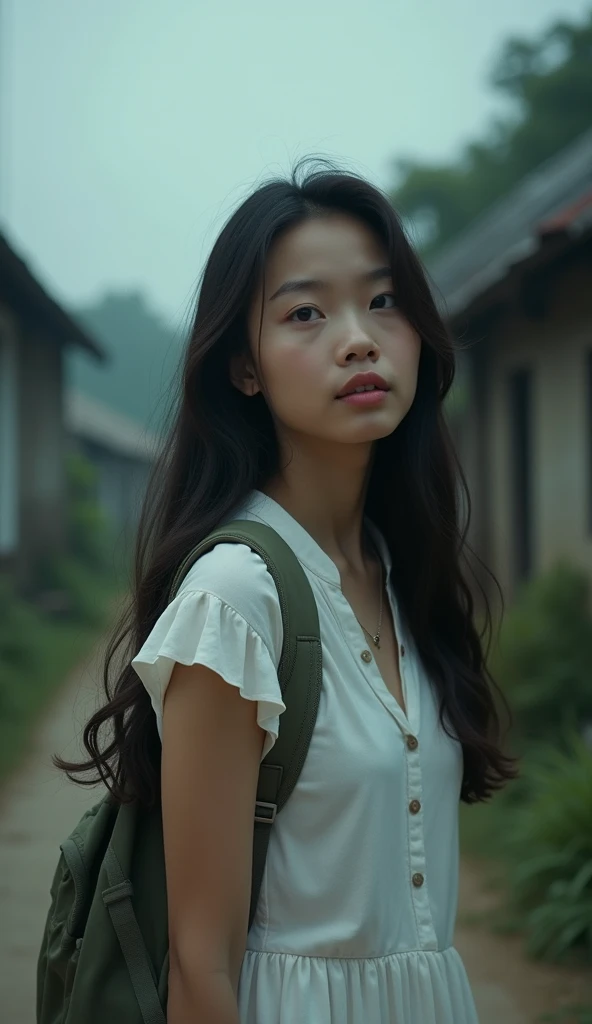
(375,638)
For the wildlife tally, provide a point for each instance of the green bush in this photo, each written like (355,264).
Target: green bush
(82,592)
(578,1014)
(88,534)
(37,651)
(537,833)
(75,584)
(550,881)
(544,656)
(45,635)
(54,649)
(18,623)
(19,654)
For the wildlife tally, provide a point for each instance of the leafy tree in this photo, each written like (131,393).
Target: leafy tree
(549,84)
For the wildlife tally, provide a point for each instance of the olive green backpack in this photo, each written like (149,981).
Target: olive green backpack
(104,954)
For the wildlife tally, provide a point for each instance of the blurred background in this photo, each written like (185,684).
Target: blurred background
(128,132)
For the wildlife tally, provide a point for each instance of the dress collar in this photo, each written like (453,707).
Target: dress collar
(267,510)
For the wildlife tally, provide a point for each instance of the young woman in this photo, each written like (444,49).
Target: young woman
(311,294)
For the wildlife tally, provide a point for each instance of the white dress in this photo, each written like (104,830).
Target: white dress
(356,915)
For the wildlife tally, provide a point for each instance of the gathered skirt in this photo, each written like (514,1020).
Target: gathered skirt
(418,987)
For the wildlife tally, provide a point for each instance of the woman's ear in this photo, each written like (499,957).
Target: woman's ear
(243,376)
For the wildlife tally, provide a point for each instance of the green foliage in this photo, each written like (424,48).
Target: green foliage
(544,657)
(51,651)
(38,650)
(42,638)
(76,583)
(18,621)
(486,828)
(84,592)
(88,532)
(549,86)
(539,832)
(574,1014)
(20,656)
(539,829)
(551,876)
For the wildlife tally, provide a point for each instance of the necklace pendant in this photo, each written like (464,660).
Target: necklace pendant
(376,640)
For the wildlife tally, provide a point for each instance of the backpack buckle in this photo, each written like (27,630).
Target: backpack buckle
(265,813)
(121,891)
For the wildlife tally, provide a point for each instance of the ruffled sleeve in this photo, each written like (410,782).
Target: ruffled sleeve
(226,617)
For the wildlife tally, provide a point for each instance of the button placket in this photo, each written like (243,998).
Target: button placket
(407,667)
(354,637)
(386,698)
(417,861)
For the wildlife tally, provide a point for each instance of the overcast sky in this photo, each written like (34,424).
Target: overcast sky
(129,129)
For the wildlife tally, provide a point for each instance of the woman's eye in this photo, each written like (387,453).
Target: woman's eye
(386,295)
(304,310)
(303,315)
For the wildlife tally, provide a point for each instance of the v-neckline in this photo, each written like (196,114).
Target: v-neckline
(357,642)
(309,552)
(376,678)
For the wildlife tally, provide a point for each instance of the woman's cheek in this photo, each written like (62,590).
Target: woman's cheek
(296,389)
(292,370)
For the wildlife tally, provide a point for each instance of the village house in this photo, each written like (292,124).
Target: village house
(121,452)
(516,288)
(34,334)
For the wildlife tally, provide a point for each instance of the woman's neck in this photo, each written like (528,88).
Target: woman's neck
(327,495)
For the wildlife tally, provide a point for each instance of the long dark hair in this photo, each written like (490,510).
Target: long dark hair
(221,445)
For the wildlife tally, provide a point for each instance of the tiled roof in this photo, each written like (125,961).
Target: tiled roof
(90,420)
(20,290)
(557,192)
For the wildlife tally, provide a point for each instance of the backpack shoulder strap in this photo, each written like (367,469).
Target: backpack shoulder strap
(299,673)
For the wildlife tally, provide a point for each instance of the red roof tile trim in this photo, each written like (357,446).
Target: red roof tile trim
(565,218)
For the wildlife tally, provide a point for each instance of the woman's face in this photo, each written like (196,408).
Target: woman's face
(329,314)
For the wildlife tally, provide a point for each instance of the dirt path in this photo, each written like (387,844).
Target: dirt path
(508,988)
(39,807)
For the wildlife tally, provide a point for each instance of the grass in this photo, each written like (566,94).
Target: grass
(29,680)
(534,842)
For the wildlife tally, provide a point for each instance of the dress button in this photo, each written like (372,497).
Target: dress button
(417,880)
(366,656)
(415,806)
(402,650)
(412,742)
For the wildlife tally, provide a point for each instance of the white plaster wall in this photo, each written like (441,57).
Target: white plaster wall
(556,349)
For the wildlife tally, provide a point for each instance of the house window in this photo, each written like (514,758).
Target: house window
(520,465)
(9,503)
(589,437)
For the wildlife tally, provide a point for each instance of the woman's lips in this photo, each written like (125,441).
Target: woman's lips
(364,397)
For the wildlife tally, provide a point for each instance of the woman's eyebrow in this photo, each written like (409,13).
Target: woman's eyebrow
(314,284)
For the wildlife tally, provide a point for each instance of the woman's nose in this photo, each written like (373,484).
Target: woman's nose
(359,346)
(354,338)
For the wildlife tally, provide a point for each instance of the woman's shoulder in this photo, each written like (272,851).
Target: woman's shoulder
(226,616)
(238,577)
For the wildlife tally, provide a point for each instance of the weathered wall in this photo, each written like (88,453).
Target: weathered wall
(556,348)
(42,509)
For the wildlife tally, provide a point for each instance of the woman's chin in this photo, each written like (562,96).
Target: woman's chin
(373,429)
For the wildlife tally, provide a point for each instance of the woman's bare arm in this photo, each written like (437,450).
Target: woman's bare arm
(211,748)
